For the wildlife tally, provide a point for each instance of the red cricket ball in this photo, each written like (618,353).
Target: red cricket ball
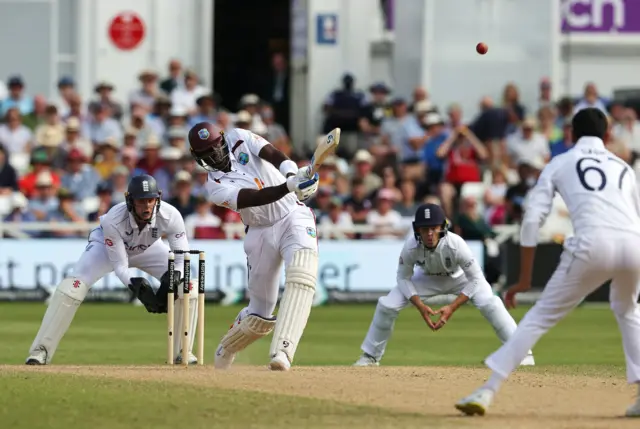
(482,48)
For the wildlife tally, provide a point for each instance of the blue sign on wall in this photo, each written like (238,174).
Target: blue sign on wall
(327,29)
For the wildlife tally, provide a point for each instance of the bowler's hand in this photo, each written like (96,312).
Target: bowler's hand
(510,295)
(445,314)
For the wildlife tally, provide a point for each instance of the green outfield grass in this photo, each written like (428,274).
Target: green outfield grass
(587,342)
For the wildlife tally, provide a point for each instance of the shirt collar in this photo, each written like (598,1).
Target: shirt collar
(134,224)
(590,142)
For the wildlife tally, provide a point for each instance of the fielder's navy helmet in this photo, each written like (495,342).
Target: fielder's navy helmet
(429,215)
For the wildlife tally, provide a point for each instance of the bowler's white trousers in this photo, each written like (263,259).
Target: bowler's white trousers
(586,263)
(266,247)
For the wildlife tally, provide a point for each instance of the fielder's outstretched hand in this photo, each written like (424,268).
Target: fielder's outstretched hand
(445,314)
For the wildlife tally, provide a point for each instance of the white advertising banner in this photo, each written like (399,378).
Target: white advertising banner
(345,266)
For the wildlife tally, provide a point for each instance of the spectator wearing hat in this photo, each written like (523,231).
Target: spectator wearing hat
(337,223)
(243,120)
(16,137)
(157,119)
(17,98)
(526,144)
(119,182)
(143,125)
(40,162)
(80,178)
(176,138)
(202,223)
(363,163)
(404,132)
(68,211)
(66,88)
(182,197)
(104,192)
(107,157)
(206,110)
(359,204)
(251,104)
(151,162)
(175,78)
(102,125)
(145,96)
(20,212)
(43,200)
(52,130)
(39,113)
(8,175)
(171,158)
(437,134)
(178,117)
(50,141)
(276,133)
(105,96)
(72,140)
(374,111)
(342,109)
(387,222)
(185,97)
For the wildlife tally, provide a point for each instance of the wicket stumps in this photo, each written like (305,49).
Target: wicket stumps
(185,309)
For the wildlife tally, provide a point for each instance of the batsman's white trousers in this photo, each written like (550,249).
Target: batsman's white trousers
(94,262)
(586,263)
(266,247)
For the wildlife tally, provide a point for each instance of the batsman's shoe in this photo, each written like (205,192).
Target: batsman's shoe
(634,410)
(37,357)
(223,358)
(192,359)
(528,361)
(476,403)
(366,360)
(280,362)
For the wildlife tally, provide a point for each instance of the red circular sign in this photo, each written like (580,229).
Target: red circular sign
(126,30)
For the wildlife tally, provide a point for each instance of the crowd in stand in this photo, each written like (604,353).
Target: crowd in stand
(68,160)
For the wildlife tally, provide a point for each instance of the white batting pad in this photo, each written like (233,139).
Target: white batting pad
(249,330)
(295,305)
(57,319)
(193,321)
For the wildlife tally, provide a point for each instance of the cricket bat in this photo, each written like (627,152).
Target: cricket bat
(324,149)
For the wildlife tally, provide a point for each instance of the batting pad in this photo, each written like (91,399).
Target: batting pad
(249,330)
(296,302)
(193,321)
(60,313)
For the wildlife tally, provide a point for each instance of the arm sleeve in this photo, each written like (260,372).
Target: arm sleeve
(537,207)
(223,194)
(405,272)
(177,238)
(117,254)
(471,268)
(254,142)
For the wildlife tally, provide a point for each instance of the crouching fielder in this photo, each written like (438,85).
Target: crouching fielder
(251,176)
(128,237)
(435,262)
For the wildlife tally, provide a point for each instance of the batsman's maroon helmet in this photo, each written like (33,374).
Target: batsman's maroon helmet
(208,145)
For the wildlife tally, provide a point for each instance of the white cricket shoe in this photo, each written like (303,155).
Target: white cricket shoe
(192,359)
(634,410)
(38,357)
(476,403)
(280,362)
(528,361)
(223,358)
(366,360)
